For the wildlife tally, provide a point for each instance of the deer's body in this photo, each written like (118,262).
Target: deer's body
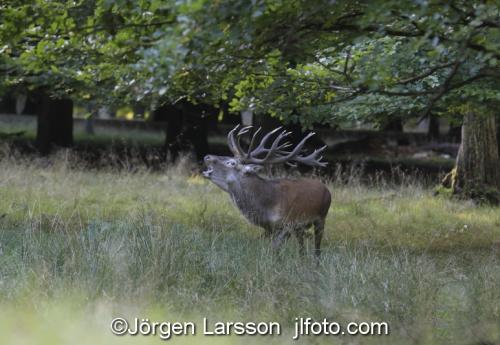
(269,203)
(280,206)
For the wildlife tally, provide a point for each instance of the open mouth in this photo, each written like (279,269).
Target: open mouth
(207,173)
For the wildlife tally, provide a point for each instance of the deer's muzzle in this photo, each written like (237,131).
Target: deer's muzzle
(208,159)
(208,172)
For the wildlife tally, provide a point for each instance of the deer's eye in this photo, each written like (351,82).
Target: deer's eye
(231,163)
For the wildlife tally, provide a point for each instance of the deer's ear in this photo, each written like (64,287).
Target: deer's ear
(251,168)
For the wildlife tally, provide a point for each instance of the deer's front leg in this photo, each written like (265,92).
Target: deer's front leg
(300,234)
(268,232)
(281,235)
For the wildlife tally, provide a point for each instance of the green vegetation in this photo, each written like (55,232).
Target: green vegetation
(79,247)
(288,58)
(305,62)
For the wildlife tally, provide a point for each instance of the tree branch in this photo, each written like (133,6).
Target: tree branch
(424,75)
(373,28)
(96,28)
(329,68)
(441,90)
(483,49)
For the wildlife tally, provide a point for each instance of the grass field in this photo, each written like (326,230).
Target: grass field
(79,247)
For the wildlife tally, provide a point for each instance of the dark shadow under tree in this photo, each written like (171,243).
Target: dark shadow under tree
(186,129)
(55,123)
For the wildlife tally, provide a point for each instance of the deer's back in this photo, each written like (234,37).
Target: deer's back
(304,200)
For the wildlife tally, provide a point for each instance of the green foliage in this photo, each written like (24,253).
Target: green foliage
(82,49)
(306,61)
(352,60)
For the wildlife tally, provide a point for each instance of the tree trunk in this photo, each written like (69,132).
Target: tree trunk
(8,104)
(477,171)
(498,133)
(55,123)
(139,110)
(186,128)
(455,133)
(197,135)
(393,125)
(197,116)
(433,132)
(89,124)
(173,139)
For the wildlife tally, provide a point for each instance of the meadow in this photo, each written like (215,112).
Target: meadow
(79,246)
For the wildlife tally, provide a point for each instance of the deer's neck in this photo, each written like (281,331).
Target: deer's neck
(255,197)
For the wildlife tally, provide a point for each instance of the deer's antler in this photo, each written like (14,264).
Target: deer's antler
(234,143)
(276,153)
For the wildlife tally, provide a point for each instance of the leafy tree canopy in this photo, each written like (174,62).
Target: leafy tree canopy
(307,61)
(86,49)
(345,59)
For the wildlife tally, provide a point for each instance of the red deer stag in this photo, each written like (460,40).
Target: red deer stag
(280,206)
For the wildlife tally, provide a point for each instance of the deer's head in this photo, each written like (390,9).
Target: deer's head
(227,170)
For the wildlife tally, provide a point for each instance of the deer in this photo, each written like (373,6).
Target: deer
(281,206)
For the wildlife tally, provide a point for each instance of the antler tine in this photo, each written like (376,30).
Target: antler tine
(279,149)
(252,141)
(241,132)
(274,147)
(291,155)
(277,153)
(233,144)
(294,155)
(261,147)
(313,159)
(244,130)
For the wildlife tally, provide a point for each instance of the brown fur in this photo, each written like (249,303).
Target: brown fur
(280,206)
(304,200)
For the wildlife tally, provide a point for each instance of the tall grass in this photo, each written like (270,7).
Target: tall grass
(80,246)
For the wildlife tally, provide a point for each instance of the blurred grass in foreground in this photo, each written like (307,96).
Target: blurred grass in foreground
(80,246)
